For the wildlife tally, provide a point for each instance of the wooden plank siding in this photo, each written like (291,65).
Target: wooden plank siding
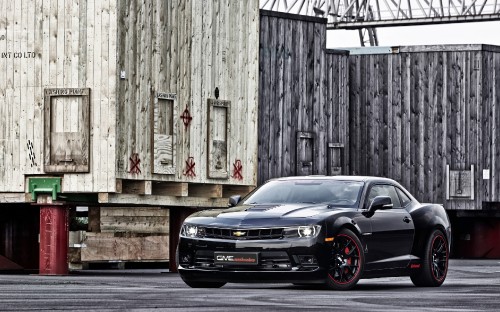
(188,49)
(55,44)
(418,109)
(178,47)
(303,92)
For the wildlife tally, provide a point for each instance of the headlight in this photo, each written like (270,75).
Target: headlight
(302,231)
(189,230)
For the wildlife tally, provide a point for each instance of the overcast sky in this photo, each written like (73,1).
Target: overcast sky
(465,33)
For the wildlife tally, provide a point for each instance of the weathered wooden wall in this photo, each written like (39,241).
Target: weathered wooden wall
(56,44)
(188,48)
(490,114)
(126,234)
(303,97)
(418,109)
(180,47)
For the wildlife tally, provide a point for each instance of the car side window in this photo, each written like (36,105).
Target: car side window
(384,190)
(405,200)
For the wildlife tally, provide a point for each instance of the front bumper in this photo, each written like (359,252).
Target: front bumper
(240,276)
(295,260)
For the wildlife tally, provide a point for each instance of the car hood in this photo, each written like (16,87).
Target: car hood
(269,214)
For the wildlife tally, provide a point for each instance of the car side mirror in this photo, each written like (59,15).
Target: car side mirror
(379,203)
(234,200)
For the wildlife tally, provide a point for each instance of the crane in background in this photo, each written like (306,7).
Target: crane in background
(367,15)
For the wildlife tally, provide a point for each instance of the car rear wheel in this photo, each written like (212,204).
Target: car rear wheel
(346,262)
(434,268)
(198,284)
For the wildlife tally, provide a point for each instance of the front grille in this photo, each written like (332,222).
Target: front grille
(244,234)
(270,260)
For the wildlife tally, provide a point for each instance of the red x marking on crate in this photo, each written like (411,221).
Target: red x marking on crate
(134,163)
(238,167)
(190,167)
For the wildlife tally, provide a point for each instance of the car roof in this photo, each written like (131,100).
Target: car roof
(368,180)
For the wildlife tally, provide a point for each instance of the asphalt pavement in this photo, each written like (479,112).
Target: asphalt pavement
(471,285)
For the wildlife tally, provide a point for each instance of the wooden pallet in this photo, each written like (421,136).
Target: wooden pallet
(180,194)
(180,189)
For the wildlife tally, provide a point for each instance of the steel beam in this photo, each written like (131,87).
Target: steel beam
(353,14)
(414,21)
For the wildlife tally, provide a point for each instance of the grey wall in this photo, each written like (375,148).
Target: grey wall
(418,110)
(303,99)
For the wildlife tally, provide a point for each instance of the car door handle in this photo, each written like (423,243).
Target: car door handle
(406,219)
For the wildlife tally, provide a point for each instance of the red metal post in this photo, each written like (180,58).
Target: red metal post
(53,240)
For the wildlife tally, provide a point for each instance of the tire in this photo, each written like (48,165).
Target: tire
(347,261)
(198,284)
(434,267)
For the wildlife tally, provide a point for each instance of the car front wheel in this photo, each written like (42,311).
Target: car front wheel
(346,262)
(434,266)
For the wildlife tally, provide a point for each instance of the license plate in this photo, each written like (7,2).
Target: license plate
(236,258)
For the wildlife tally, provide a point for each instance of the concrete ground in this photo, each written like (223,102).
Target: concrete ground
(471,285)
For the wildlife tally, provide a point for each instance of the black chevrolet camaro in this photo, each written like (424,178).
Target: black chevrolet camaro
(305,230)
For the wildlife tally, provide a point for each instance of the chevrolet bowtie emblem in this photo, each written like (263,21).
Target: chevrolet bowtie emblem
(239,233)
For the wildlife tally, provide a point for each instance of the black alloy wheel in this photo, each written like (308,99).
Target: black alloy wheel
(435,262)
(346,262)
(439,255)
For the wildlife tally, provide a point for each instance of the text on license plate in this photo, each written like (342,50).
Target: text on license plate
(240,258)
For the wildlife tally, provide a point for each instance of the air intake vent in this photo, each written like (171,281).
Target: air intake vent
(244,234)
(262,207)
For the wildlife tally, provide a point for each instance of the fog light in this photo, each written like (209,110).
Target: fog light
(307,259)
(185,258)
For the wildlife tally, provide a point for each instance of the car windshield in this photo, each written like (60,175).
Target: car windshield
(334,192)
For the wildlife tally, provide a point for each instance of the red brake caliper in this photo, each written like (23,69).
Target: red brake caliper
(346,251)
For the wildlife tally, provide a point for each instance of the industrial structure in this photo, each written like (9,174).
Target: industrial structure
(367,15)
(147,111)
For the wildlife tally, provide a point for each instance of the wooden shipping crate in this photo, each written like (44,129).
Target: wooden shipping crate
(102,93)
